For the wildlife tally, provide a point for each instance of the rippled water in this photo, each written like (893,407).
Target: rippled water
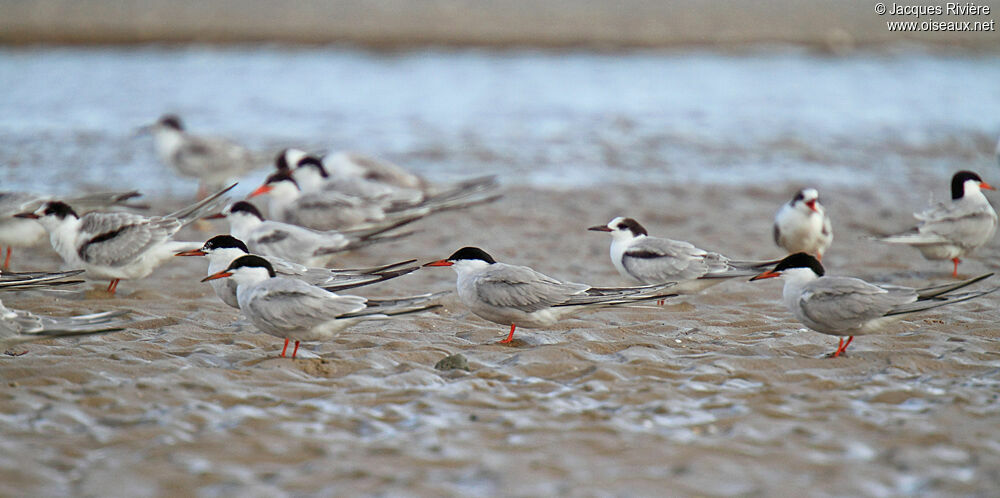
(711,395)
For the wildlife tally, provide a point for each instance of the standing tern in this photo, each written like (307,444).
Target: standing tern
(846,306)
(18,327)
(222,250)
(293,310)
(801,225)
(116,246)
(213,161)
(23,233)
(950,230)
(652,260)
(294,243)
(517,295)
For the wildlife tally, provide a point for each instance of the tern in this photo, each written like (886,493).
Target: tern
(846,306)
(802,225)
(518,295)
(213,161)
(116,246)
(297,244)
(222,250)
(293,310)
(653,260)
(951,230)
(23,233)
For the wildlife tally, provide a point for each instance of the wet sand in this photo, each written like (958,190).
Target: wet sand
(710,395)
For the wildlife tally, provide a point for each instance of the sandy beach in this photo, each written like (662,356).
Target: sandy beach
(710,395)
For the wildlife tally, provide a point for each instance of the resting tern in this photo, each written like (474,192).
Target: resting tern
(294,243)
(23,233)
(312,175)
(801,225)
(213,161)
(950,230)
(652,260)
(222,250)
(18,327)
(517,295)
(293,310)
(846,307)
(330,210)
(117,246)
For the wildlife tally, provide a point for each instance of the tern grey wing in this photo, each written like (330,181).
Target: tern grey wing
(293,243)
(12,203)
(383,171)
(969,228)
(285,304)
(196,155)
(522,288)
(834,304)
(664,260)
(113,239)
(330,211)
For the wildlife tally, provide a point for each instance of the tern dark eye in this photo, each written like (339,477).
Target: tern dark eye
(622,226)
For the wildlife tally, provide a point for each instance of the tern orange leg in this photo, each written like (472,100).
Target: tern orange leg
(954,273)
(6,261)
(113,286)
(510,337)
(284,348)
(296,350)
(842,347)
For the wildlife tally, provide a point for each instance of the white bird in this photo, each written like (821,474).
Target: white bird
(24,233)
(517,295)
(116,246)
(294,243)
(222,250)
(846,307)
(951,230)
(653,260)
(293,310)
(333,210)
(18,327)
(802,225)
(213,161)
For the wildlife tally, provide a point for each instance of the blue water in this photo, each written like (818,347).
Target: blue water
(555,119)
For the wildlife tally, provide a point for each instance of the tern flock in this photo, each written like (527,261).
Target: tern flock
(275,270)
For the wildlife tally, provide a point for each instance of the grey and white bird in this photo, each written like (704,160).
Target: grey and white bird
(117,246)
(802,225)
(24,233)
(518,295)
(312,175)
(951,230)
(214,161)
(846,306)
(222,250)
(297,244)
(334,210)
(18,327)
(654,260)
(293,310)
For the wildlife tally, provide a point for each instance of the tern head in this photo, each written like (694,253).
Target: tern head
(466,258)
(622,228)
(218,245)
(807,199)
(248,269)
(796,264)
(169,121)
(279,183)
(965,183)
(288,159)
(51,214)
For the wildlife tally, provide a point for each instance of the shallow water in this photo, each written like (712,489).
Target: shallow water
(716,394)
